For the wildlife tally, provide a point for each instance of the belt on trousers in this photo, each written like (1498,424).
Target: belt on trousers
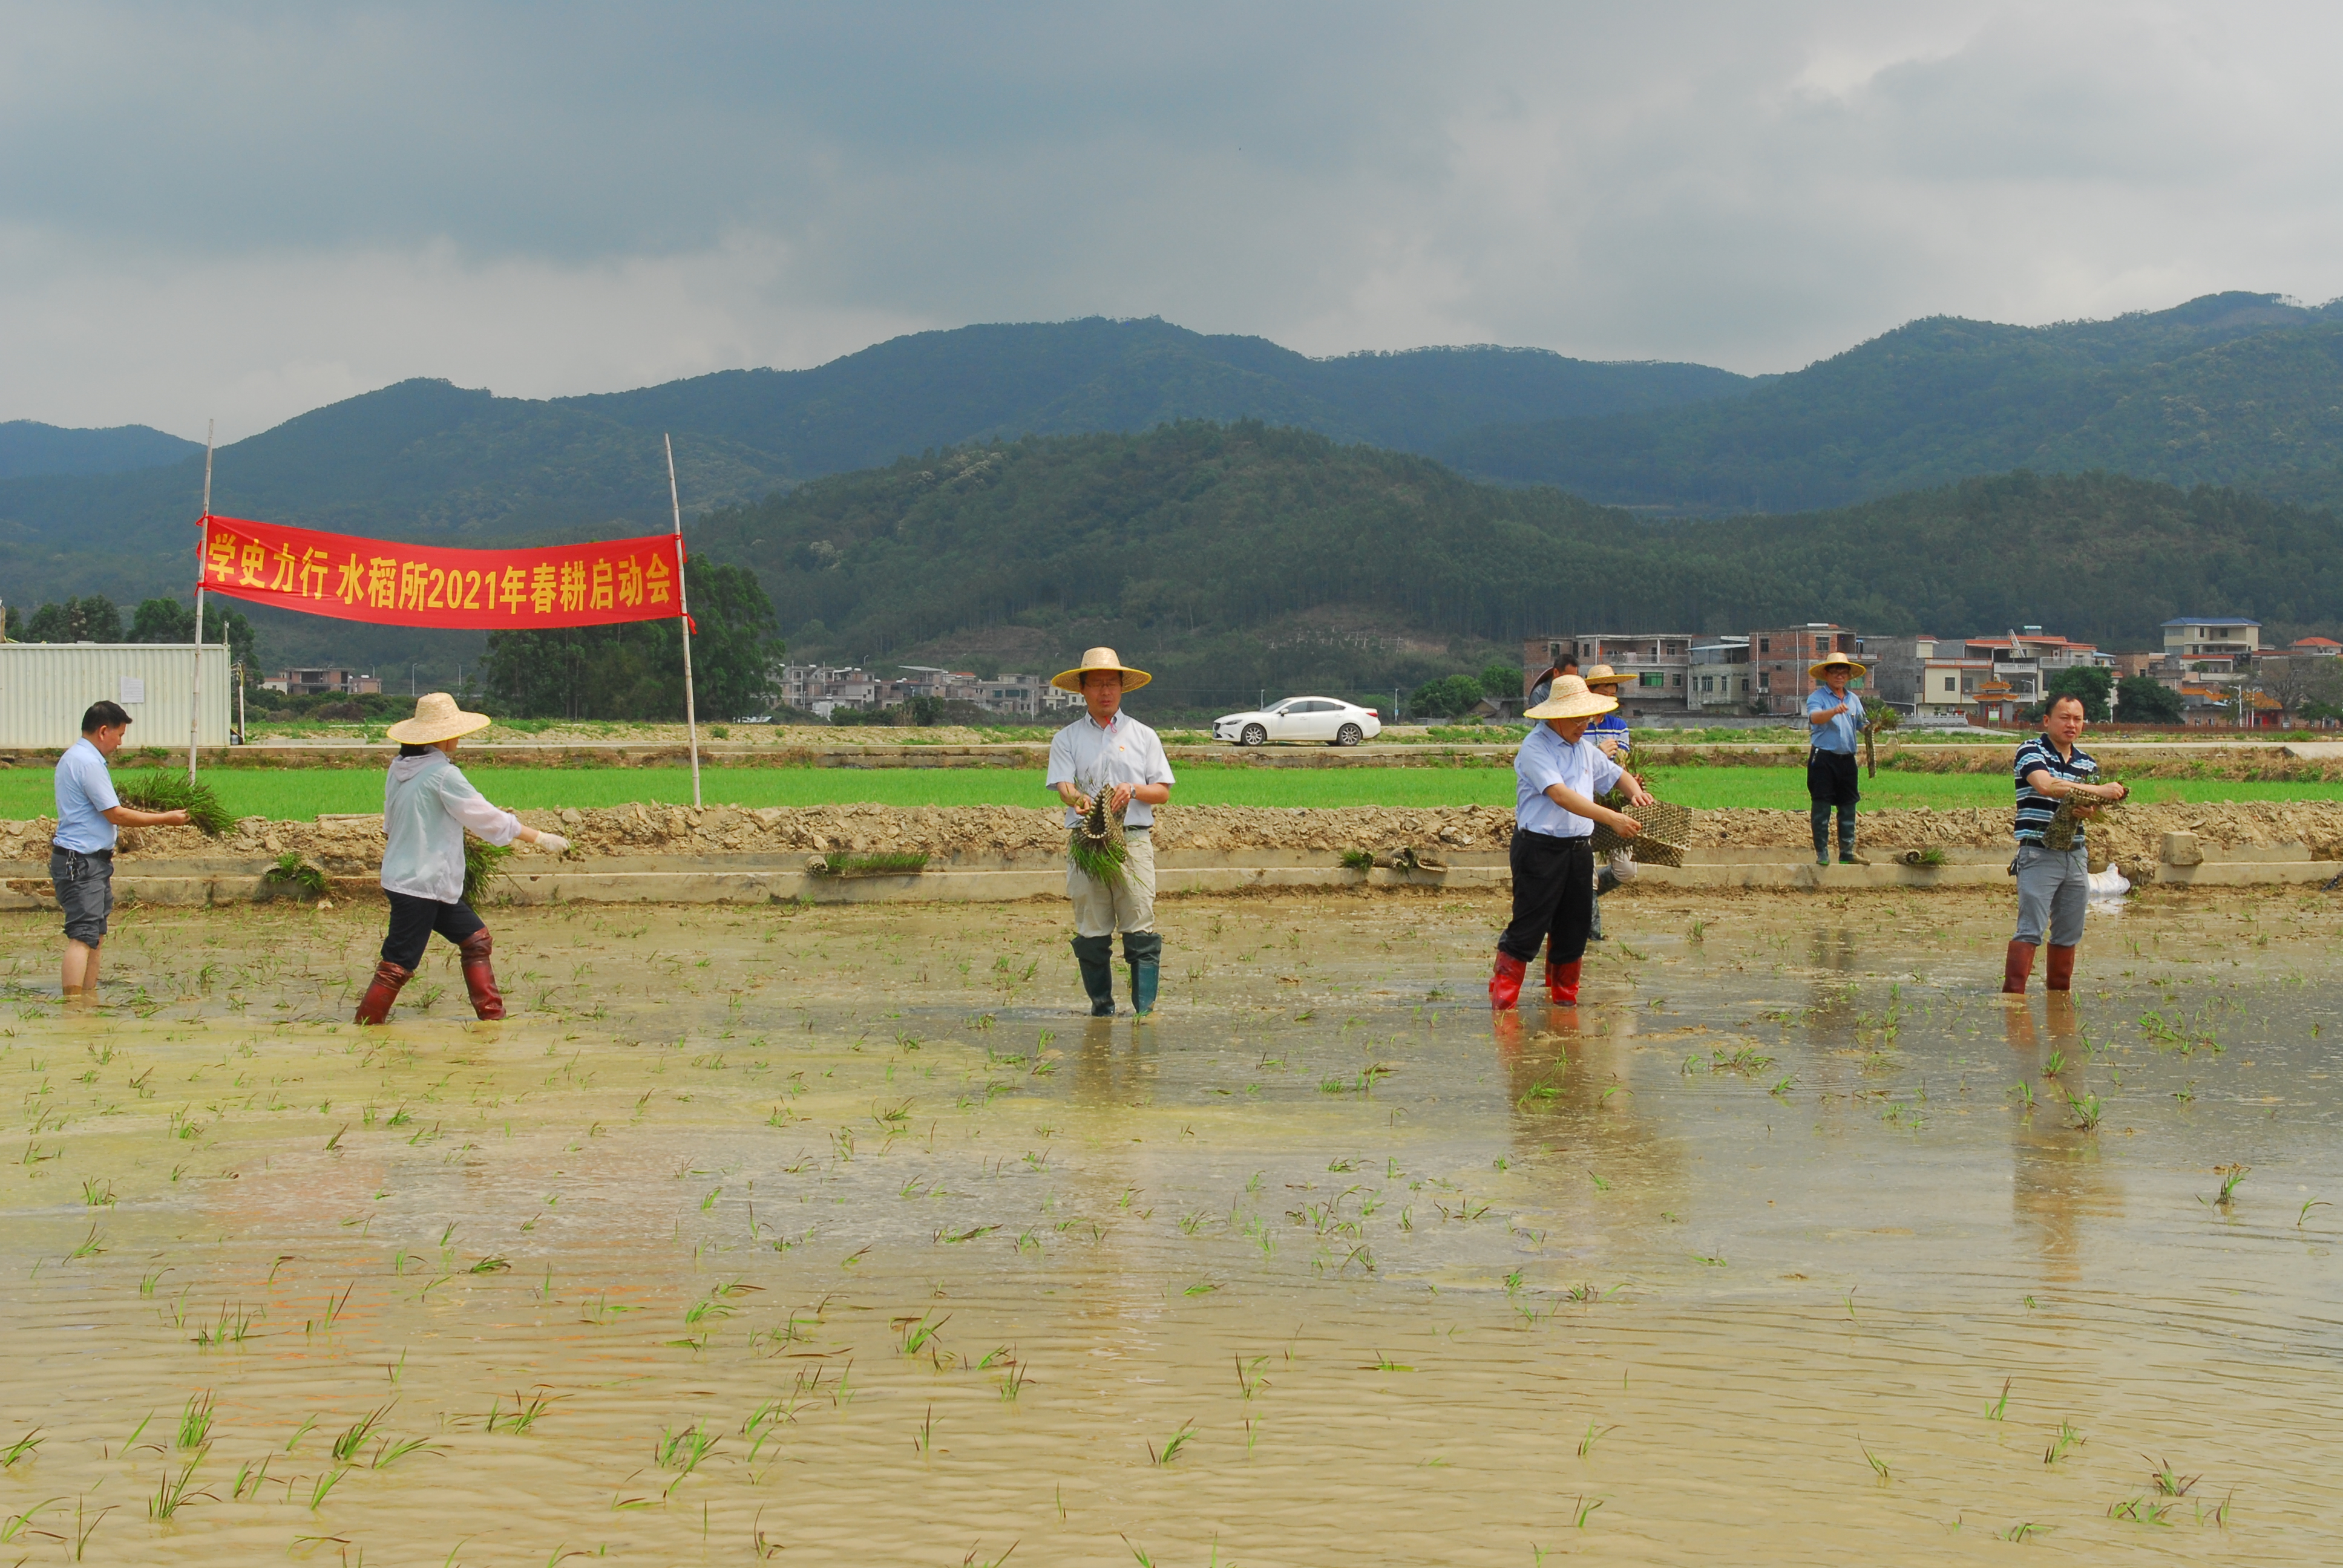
(1585,839)
(91,854)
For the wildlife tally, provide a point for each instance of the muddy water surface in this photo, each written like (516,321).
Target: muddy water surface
(835,1236)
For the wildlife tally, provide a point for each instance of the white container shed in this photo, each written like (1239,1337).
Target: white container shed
(45,688)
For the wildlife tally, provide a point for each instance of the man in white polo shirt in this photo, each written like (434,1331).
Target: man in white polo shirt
(1106,750)
(81,855)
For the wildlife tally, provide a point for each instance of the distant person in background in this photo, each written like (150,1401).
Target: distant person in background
(1566,665)
(427,805)
(1557,774)
(2053,886)
(81,853)
(1107,751)
(1834,723)
(1610,733)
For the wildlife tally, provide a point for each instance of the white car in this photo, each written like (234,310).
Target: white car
(1320,719)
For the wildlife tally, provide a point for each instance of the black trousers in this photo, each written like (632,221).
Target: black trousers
(413,920)
(1554,893)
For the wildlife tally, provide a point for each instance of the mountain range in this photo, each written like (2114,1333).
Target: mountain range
(2240,390)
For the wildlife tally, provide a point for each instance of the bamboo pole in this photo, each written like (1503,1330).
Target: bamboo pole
(683,603)
(203,530)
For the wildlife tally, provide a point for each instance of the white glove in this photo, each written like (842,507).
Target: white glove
(552,843)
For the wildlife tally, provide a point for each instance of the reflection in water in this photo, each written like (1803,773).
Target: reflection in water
(938,1267)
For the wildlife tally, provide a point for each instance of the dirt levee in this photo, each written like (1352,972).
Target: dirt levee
(348,846)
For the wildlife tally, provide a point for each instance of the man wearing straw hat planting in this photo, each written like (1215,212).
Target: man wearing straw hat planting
(426,805)
(1558,773)
(1833,721)
(1107,757)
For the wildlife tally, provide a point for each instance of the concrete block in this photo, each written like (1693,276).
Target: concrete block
(2181,850)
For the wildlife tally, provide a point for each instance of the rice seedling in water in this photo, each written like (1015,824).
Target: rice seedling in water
(324,1484)
(2063,1442)
(2168,1482)
(354,1436)
(248,1479)
(2087,1112)
(2000,1407)
(526,1413)
(1594,1435)
(2307,1208)
(1878,1465)
(2140,1511)
(18,1525)
(1173,1444)
(683,1451)
(23,1449)
(2230,1176)
(195,1422)
(170,1495)
(924,1440)
(2022,1532)
(1585,1506)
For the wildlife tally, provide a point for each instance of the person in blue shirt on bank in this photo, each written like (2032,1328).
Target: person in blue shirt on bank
(1557,774)
(81,852)
(1833,723)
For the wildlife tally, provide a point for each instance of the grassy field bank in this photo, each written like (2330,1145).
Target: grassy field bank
(298,794)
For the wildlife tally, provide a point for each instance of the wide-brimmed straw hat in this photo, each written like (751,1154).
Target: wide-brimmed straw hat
(1836,661)
(1569,699)
(1100,659)
(437,719)
(1603,675)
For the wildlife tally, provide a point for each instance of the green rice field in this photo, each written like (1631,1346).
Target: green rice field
(291,795)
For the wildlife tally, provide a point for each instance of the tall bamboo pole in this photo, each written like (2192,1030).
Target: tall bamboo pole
(683,603)
(203,528)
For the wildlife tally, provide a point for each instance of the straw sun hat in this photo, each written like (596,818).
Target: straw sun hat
(1569,699)
(437,719)
(1603,675)
(1836,661)
(1100,659)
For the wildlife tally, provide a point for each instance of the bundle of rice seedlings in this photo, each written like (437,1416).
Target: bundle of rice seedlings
(162,791)
(295,875)
(1874,720)
(1096,845)
(482,861)
(885,863)
(1666,831)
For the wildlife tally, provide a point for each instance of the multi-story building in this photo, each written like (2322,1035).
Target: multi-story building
(2315,648)
(315,682)
(1778,660)
(1655,665)
(2213,645)
(1717,678)
(1927,675)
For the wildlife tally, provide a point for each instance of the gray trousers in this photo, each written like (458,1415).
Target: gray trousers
(2053,886)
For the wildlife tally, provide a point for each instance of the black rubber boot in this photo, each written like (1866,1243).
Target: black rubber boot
(1143,952)
(1846,855)
(1821,815)
(1096,955)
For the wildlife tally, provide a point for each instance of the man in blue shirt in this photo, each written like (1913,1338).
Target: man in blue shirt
(81,855)
(1557,774)
(2053,882)
(1833,720)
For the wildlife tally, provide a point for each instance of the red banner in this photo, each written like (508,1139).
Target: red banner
(415,585)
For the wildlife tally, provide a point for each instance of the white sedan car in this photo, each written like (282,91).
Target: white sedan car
(1320,719)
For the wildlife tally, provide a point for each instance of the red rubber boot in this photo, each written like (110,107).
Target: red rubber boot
(2059,973)
(2015,967)
(1562,981)
(375,1006)
(478,978)
(1505,980)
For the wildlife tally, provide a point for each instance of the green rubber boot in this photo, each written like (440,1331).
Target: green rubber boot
(1096,955)
(1143,952)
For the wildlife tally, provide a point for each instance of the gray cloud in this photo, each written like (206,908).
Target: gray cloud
(247,210)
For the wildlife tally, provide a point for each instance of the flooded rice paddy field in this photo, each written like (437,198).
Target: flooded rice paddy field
(834,1236)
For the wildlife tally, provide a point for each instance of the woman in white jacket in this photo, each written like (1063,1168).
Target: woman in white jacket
(426,805)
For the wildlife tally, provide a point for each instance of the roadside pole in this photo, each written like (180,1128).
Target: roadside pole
(683,603)
(203,527)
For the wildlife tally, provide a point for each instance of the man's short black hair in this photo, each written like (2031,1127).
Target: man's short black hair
(102,716)
(2059,696)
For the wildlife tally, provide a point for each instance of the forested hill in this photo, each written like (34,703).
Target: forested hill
(425,460)
(2238,389)
(28,447)
(1243,556)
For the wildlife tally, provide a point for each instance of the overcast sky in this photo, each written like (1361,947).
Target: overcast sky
(246,211)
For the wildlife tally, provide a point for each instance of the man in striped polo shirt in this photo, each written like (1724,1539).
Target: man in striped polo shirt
(2053,885)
